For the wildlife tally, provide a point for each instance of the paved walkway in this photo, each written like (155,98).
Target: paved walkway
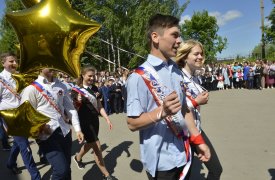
(240,124)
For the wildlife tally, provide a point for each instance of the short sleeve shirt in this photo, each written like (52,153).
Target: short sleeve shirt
(160,149)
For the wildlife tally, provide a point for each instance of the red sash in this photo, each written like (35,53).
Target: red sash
(88,95)
(9,87)
(49,97)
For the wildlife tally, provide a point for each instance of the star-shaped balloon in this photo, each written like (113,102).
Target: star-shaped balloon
(51,35)
(30,3)
(23,80)
(23,121)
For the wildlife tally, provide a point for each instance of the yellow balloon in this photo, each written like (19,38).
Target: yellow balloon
(51,35)
(23,80)
(30,3)
(23,121)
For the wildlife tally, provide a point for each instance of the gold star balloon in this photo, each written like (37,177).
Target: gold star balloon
(30,3)
(23,121)
(51,35)
(23,80)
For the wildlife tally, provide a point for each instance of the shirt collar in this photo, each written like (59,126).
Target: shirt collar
(6,73)
(86,86)
(155,61)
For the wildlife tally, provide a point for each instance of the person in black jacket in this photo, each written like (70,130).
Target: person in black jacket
(117,91)
(258,75)
(89,106)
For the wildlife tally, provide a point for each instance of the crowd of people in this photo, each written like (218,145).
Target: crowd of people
(65,109)
(110,87)
(249,75)
(162,99)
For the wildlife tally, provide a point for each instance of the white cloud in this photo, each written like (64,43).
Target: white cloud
(185,17)
(223,19)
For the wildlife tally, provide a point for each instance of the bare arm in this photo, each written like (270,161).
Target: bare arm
(144,120)
(202,98)
(203,150)
(104,114)
(171,105)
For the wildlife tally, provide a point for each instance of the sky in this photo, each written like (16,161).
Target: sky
(2,7)
(239,21)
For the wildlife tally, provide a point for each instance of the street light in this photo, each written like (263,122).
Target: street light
(262,22)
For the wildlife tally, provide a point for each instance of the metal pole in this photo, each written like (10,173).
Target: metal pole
(262,27)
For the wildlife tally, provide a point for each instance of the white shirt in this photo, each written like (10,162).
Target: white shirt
(60,93)
(7,99)
(194,89)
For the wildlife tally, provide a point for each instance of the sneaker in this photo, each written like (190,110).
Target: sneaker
(15,170)
(109,178)
(79,164)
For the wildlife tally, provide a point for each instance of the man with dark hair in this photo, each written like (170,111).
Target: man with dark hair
(10,99)
(156,106)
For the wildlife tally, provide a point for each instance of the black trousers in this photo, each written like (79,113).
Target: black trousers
(213,165)
(172,174)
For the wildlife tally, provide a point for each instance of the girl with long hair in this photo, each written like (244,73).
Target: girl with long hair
(87,101)
(190,57)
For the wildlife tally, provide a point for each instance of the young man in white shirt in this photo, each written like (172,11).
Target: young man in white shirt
(10,99)
(50,97)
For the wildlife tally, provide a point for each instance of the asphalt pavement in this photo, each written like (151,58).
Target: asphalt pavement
(239,122)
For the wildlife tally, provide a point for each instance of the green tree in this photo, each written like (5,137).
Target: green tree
(123,25)
(269,51)
(121,38)
(204,28)
(8,38)
(270,30)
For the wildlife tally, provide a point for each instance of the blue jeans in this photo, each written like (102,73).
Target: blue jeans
(3,135)
(57,150)
(21,144)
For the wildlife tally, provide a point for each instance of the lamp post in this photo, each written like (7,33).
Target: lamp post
(262,27)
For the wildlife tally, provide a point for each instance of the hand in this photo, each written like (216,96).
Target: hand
(109,123)
(171,105)
(203,152)
(97,94)
(202,98)
(80,136)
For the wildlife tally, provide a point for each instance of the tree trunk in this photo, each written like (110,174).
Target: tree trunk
(118,53)
(113,52)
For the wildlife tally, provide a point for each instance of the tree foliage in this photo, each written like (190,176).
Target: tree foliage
(8,40)
(269,51)
(204,28)
(121,38)
(270,30)
(123,25)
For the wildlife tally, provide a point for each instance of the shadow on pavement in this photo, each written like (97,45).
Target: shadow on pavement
(136,165)
(110,160)
(5,173)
